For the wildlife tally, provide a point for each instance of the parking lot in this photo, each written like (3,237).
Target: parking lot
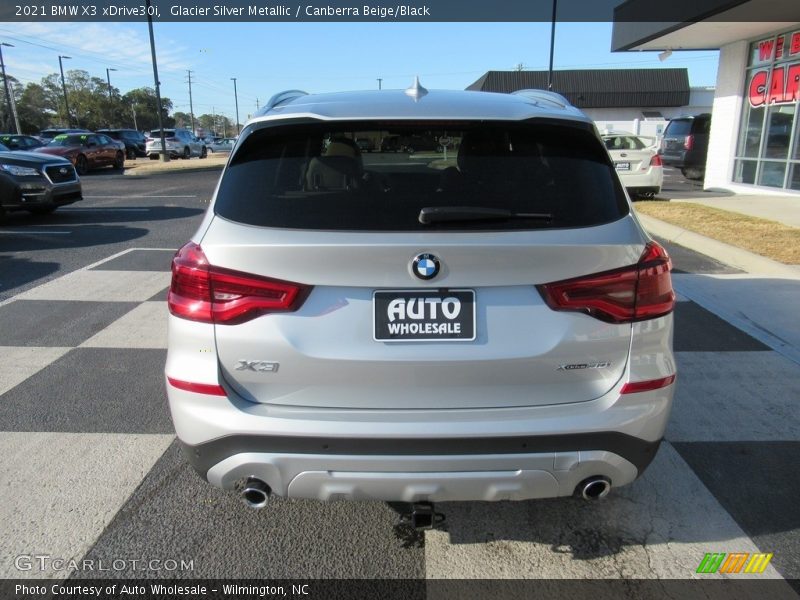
(90,467)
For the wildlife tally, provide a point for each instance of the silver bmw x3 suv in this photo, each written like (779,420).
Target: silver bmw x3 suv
(480,319)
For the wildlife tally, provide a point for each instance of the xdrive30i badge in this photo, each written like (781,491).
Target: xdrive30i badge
(425,266)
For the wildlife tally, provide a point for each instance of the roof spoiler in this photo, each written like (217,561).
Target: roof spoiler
(280,98)
(544,95)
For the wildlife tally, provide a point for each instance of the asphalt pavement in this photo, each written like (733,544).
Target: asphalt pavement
(86,427)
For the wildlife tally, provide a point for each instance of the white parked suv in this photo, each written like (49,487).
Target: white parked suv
(180,143)
(490,323)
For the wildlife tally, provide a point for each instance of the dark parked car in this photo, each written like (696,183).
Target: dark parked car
(37,183)
(134,141)
(13,141)
(48,134)
(685,145)
(87,150)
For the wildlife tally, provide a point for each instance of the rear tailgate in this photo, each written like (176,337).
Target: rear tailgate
(325,354)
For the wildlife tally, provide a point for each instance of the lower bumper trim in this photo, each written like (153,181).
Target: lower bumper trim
(637,451)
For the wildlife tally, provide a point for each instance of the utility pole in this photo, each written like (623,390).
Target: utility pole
(64,88)
(133,110)
(552,46)
(236,98)
(14,112)
(191,108)
(257,107)
(164,155)
(110,99)
(9,96)
(380,80)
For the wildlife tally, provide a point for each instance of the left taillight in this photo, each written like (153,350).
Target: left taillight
(635,293)
(202,292)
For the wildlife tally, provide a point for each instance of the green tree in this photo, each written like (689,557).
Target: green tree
(182,119)
(142,102)
(216,124)
(35,109)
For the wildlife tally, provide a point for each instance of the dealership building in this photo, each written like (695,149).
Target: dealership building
(640,101)
(754,144)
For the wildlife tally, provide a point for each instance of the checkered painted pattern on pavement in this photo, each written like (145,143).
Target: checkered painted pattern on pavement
(90,469)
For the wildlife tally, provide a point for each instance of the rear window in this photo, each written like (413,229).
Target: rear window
(679,127)
(356,176)
(623,142)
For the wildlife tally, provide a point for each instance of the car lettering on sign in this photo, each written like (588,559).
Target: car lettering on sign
(259,366)
(416,308)
(581,366)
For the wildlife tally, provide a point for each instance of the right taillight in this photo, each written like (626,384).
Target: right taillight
(203,292)
(635,293)
(655,161)
(688,143)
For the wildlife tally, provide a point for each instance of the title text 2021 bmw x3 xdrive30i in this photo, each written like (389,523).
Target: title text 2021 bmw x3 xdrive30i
(482,321)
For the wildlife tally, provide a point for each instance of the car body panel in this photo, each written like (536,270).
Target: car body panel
(221,145)
(673,149)
(632,156)
(532,406)
(55,183)
(20,142)
(134,142)
(180,141)
(99,150)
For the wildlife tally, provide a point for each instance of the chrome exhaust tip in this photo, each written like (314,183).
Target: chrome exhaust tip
(594,488)
(255,493)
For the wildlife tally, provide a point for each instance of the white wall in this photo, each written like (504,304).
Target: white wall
(727,110)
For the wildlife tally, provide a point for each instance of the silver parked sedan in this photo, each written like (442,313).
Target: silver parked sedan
(482,323)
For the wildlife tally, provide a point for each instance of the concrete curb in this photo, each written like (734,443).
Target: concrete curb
(145,169)
(725,253)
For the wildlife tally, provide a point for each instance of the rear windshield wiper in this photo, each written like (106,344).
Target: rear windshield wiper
(441,214)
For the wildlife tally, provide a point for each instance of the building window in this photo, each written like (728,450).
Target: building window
(768,148)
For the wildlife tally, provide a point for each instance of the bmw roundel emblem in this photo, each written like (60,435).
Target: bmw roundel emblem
(425,266)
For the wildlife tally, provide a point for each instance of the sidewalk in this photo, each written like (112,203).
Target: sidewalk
(763,301)
(782,209)
(144,166)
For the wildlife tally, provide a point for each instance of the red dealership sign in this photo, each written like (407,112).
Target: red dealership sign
(776,84)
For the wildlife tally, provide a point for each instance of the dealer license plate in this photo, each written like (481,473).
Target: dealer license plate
(623,166)
(424,315)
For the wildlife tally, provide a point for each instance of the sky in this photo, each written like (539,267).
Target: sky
(315,57)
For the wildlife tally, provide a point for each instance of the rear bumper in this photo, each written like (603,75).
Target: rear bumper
(536,452)
(416,470)
(684,159)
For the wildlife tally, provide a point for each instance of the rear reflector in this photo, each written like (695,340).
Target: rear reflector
(633,387)
(197,388)
(635,293)
(209,294)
